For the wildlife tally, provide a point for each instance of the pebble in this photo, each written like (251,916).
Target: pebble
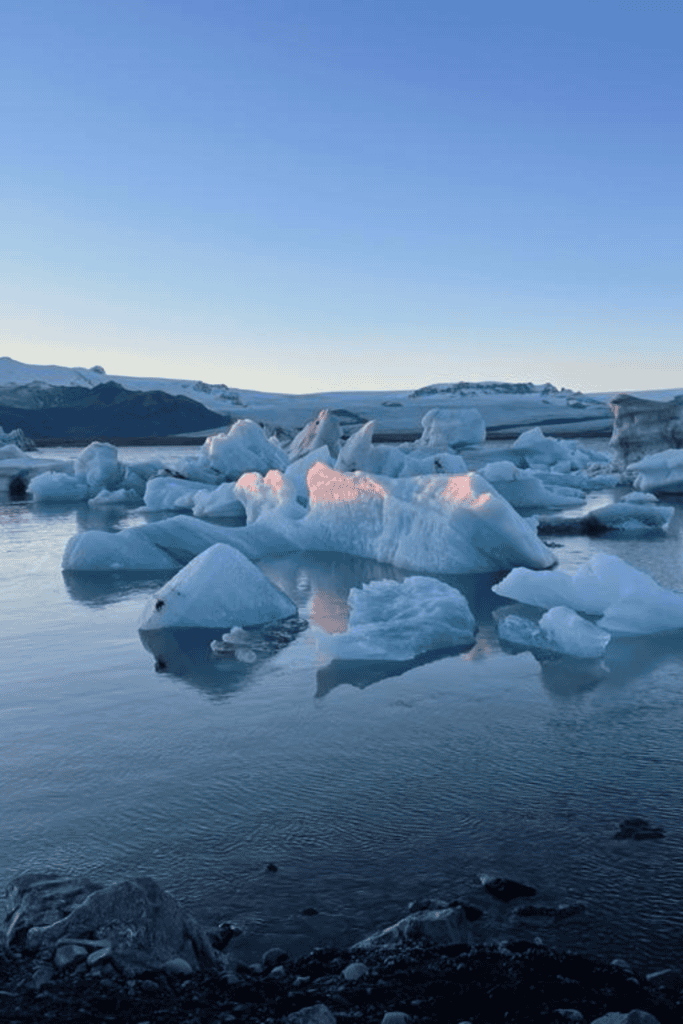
(69,954)
(571,1015)
(317,1014)
(506,889)
(273,957)
(178,967)
(624,965)
(355,971)
(98,956)
(278,973)
(395,1017)
(634,1017)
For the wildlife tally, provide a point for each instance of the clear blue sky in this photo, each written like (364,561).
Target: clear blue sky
(302,195)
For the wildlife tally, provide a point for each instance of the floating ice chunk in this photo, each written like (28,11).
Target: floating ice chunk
(218,502)
(120,497)
(559,631)
(11,451)
(129,550)
(662,471)
(438,462)
(452,427)
(523,489)
(53,487)
(297,471)
(440,524)
(393,621)
(631,602)
(323,430)
(199,469)
(218,588)
(592,588)
(167,492)
(580,479)
(98,465)
(566,456)
(244,449)
(640,498)
(624,516)
(272,493)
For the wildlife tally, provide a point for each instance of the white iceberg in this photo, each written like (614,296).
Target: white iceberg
(56,487)
(439,524)
(273,493)
(129,551)
(523,489)
(640,498)
(324,430)
(122,496)
(359,453)
(630,602)
(99,467)
(394,621)
(244,449)
(220,502)
(463,426)
(297,472)
(219,588)
(662,471)
(565,455)
(559,631)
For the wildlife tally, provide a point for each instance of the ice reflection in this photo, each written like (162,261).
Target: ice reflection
(97,589)
(186,654)
(364,673)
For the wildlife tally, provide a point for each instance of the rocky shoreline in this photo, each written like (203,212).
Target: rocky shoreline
(77,951)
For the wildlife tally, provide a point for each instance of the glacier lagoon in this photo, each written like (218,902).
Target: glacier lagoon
(367,785)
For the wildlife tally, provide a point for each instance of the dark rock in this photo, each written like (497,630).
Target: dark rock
(221,935)
(309,912)
(638,828)
(506,890)
(470,912)
(274,957)
(271,867)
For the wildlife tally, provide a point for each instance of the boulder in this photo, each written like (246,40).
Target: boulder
(134,923)
(446,927)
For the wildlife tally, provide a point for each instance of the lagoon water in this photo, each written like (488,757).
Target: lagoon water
(367,785)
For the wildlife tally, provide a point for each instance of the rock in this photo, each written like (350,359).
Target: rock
(642,427)
(395,1017)
(435,927)
(623,965)
(222,934)
(309,912)
(533,910)
(572,1015)
(134,922)
(42,975)
(505,889)
(669,978)
(273,957)
(271,867)
(415,906)
(278,973)
(177,966)
(99,956)
(471,913)
(355,971)
(318,1014)
(638,828)
(69,953)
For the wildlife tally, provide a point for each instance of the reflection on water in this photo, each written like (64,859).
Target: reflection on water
(364,673)
(186,654)
(97,589)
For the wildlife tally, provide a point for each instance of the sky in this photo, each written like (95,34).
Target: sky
(308,195)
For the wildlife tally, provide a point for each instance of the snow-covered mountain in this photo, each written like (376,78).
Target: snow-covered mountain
(504,406)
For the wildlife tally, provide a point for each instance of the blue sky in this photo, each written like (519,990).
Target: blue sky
(310,195)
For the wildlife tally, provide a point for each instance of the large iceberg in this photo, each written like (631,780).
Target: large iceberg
(642,426)
(219,588)
(394,621)
(559,631)
(438,524)
(630,602)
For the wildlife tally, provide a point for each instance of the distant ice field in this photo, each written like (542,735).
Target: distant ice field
(366,784)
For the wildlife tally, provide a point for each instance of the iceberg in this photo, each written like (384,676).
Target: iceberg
(167,492)
(463,426)
(120,497)
(244,449)
(297,472)
(217,589)
(622,516)
(523,489)
(220,502)
(324,430)
(98,465)
(559,631)
(359,453)
(660,472)
(567,456)
(394,621)
(630,602)
(56,487)
(273,493)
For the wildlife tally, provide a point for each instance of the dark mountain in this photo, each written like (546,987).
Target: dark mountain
(106,411)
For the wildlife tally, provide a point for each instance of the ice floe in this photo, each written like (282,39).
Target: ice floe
(218,588)
(566,456)
(559,631)
(630,602)
(397,621)
(622,516)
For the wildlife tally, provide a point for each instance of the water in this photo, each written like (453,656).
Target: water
(367,786)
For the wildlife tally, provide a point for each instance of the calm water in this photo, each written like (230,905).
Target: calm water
(367,786)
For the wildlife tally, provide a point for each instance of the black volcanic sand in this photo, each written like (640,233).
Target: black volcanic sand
(522,982)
